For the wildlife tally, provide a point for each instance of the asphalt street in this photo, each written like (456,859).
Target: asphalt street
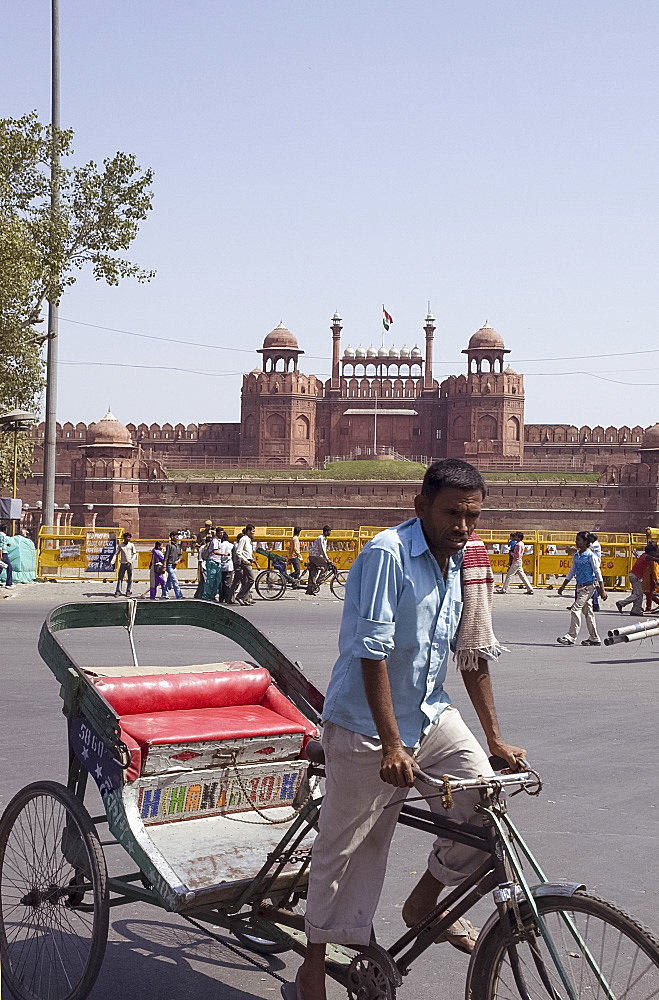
(587,716)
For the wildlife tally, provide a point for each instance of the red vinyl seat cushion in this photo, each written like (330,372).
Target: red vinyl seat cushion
(198,724)
(191,708)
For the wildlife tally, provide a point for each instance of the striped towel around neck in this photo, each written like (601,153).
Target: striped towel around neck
(476,638)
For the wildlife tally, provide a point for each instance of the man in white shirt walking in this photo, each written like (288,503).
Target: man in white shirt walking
(243,570)
(516,567)
(127,559)
(318,559)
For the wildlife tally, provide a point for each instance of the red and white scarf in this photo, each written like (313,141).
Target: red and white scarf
(476,638)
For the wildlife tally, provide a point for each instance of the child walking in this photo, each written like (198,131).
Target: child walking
(157,571)
(586,568)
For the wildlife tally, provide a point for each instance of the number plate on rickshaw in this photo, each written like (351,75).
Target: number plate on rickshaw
(169,798)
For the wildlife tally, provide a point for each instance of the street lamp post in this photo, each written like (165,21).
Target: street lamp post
(12,423)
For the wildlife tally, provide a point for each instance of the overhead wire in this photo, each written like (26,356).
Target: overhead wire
(315,357)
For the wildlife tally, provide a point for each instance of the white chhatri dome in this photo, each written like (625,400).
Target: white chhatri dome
(404,351)
(371,352)
(383,352)
(393,352)
(349,352)
(416,353)
(360,352)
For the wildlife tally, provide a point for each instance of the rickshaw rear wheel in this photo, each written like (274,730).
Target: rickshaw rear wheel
(259,936)
(270,585)
(53,895)
(338,584)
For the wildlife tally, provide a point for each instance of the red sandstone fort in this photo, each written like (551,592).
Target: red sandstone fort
(382,399)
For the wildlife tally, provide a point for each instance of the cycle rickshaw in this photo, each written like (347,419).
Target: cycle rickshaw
(208,777)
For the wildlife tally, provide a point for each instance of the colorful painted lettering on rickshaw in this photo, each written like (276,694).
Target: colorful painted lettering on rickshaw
(223,791)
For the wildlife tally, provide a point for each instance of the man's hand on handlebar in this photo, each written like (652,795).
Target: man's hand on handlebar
(511,754)
(397,767)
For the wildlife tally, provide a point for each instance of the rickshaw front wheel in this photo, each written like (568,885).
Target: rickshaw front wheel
(53,895)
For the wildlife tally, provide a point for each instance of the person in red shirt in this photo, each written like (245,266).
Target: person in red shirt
(636,580)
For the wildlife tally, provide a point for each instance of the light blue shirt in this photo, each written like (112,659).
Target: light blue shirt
(585,566)
(397,607)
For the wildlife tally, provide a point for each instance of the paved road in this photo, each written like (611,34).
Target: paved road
(586,716)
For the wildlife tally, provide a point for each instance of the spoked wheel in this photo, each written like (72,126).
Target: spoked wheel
(605,954)
(338,584)
(259,936)
(53,895)
(270,585)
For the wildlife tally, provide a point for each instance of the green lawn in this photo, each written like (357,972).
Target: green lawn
(335,470)
(364,470)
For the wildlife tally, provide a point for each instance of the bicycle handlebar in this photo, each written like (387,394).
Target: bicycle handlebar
(522,778)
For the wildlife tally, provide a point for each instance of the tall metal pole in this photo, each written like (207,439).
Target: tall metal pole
(50,435)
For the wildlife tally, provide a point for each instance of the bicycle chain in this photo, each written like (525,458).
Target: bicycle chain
(236,951)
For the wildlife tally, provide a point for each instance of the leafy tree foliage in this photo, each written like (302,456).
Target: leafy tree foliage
(99,214)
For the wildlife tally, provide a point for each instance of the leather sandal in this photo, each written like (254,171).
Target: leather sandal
(461,935)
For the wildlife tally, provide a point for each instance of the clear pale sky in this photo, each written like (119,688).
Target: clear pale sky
(499,159)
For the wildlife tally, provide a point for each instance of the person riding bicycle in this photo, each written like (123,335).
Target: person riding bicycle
(318,559)
(414,593)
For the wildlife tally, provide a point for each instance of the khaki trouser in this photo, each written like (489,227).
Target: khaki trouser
(358,817)
(583,606)
(516,569)
(637,595)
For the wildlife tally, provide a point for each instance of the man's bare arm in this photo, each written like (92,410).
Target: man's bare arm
(396,762)
(479,689)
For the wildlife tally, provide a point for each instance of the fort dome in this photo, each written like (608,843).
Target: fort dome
(349,352)
(383,352)
(360,352)
(281,337)
(416,352)
(394,352)
(651,437)
(486,338)
(109,431)
(404,351)
(371,352)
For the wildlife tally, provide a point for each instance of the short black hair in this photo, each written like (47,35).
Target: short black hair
(452,473)
(173,534)
(250,527)
(520,536)
(587,537)
(652,549)
(296,530)
(326,528)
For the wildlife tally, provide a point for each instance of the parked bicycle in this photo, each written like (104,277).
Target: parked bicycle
(273,582)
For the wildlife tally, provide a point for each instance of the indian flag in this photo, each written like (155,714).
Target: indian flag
(387,319)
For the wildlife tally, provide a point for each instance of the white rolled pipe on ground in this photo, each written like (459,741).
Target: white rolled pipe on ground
(642,635)
(638,627)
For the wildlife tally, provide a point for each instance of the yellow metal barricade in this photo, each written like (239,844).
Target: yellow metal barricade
(77,553)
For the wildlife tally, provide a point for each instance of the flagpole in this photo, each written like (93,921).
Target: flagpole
(375,415)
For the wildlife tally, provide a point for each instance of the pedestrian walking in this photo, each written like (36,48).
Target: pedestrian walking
(243,562)
(226,555)
(636,581)
(516,567)
(173,553)
(157,571)
(586,568)
(213,566)
(127,555)
(201,565)
(4,557)
(318,559)
(651,582)
(597,549)
(294,553)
